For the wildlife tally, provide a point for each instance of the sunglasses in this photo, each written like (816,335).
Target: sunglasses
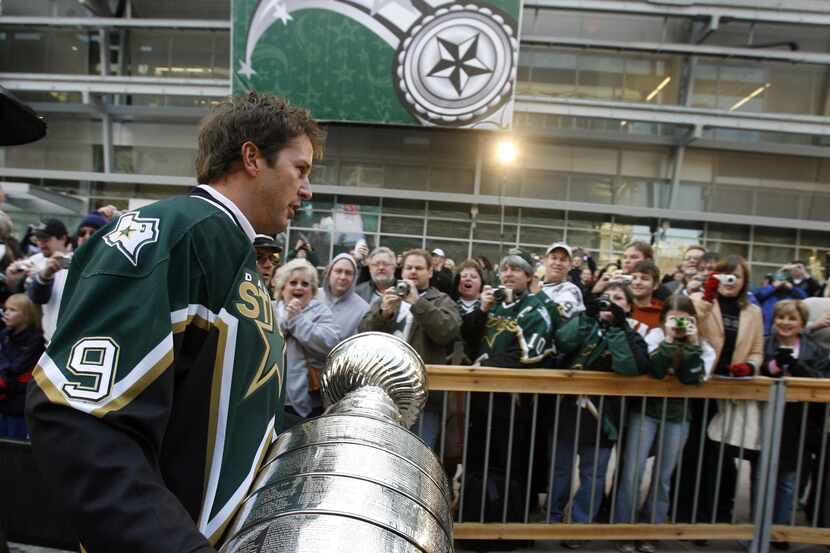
(272,257)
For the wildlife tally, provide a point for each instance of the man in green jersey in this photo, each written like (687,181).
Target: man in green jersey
(159,394)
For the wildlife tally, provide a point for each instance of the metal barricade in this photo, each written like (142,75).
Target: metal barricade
(515,417)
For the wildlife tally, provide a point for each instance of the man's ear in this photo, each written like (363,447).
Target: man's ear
(250,154)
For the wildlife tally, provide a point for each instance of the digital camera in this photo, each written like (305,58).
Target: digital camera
(726,279)
(402,288)
(503,295)
(603,304)
(681,323)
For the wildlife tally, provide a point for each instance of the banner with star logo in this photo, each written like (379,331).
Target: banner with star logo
(397,62)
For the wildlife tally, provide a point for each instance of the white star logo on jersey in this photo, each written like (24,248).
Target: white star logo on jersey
(133,233)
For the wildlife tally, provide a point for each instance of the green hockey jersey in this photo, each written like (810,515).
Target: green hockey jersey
(517,334)
(160,391)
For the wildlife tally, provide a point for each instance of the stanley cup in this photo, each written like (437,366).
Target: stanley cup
(353,480)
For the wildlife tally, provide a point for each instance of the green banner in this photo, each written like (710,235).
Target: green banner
(398,62)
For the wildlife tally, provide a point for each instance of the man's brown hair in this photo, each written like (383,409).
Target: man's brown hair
(419,252)
(642,247)
(267,121)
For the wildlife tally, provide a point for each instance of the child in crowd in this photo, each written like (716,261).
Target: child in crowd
(645,281)
(21,345)
(600,339)
(790,351)
(675,348)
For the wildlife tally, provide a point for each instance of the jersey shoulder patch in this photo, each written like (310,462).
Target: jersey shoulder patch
(132,233)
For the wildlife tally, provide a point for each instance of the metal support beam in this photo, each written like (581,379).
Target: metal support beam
(757,54)
(532,203)
(112,84)
(679,154)
(116,22)
(677,115)
(696,9)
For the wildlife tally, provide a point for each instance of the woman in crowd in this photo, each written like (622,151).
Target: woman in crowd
(675,348)
(600,339)
(467,288)
(735,328)
(21,345)
(310,333)
(790,351)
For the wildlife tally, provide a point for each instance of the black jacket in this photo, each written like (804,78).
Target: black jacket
(813,362)
(18,356)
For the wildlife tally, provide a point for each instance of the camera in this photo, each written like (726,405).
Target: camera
(503,295)
(63,261)
(402,288)
(681,323)
(726,279)
(603,304)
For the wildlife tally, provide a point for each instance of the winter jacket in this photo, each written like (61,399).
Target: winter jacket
(690,363)
(367,292)
(309,337)
(737,422)
(347,309)
(596,346)
(768,296)
(18,356)
(430,325)
(813,362)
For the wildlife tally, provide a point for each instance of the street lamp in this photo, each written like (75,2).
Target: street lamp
(507,152)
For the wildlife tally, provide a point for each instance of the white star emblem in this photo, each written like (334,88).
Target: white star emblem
(280,11)
(459,62)
(245,69)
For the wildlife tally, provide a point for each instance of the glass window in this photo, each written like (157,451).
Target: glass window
(493,252)
(728,248)
(731,199)
(721,231)
(399,225)
(150,53)
(544,185)
(450,229)
(776,235)
(593,189)
(540,235)
(777,203)
(818,207)
(450,210)
(457,251)
(403,207)
(452,179)
(583,239)
(495,233)
(772,254)
(408,177)
(600,76)
(542,216)
(400,244)
(362,174)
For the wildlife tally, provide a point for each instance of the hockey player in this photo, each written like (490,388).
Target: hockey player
(159,393)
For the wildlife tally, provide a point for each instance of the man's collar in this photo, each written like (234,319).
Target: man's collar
(213,196)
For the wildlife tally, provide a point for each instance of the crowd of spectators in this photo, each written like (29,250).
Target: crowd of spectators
(557,311)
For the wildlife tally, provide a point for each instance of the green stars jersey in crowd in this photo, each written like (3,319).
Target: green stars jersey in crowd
(164,377)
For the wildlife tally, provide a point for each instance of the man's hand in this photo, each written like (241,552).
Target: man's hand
(361,251)
(412,296)
(293,308)
(620,318)
(53,265)
(389,302)
(109,212)
(487,298)
(602,283)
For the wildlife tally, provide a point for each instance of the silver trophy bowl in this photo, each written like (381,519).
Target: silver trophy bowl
(354,480)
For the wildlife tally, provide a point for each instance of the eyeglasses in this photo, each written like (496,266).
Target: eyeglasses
(272,257)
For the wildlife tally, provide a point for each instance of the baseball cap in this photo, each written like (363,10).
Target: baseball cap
(93,220)
(524,256)
(560,246)
(50,227)
(438,251)
(265,241)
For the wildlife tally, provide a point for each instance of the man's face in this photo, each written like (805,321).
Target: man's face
(514,278)
(84,234)
(707,268)
(279,190)
(415,268)
(691,261)
(642,285)
(631,257)
(557,265)
(341,277)
(51,244)
(266,262)
(438,262)
(798,271)
(382,269)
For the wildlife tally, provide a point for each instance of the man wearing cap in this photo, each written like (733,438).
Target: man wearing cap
(52,239)
(441,275)
(267,258)
(514,326)
(565,294)
(163,384)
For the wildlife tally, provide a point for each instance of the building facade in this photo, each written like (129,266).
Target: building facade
(705,121)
